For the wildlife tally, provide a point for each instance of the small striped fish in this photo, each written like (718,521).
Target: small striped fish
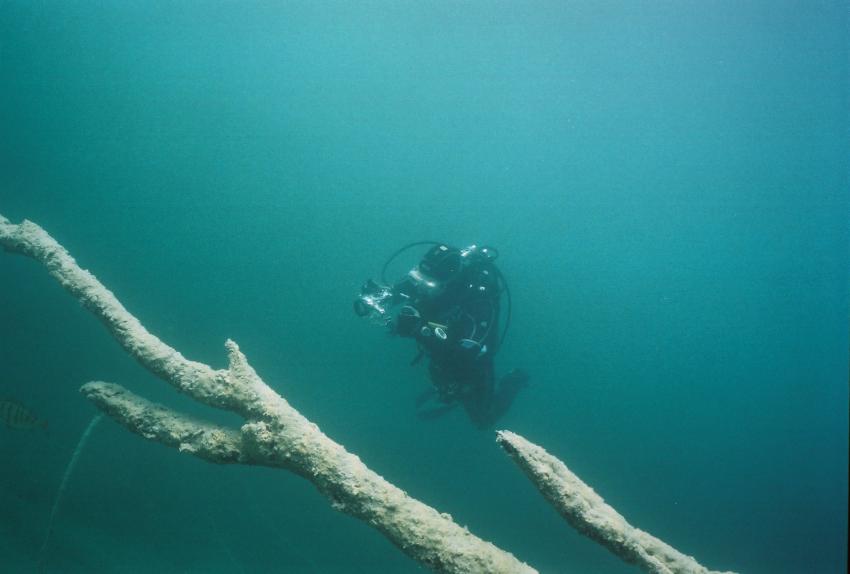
(15,415)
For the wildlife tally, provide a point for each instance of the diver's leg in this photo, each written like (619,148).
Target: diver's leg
(447,381)
(484,404)
(440,390)
(478,397)
(510,385)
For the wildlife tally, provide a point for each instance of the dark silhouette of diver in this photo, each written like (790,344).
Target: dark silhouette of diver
(449,303)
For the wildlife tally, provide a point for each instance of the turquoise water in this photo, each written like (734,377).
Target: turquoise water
(667,184)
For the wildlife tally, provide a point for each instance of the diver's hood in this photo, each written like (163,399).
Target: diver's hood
(438,268)
(441,263)
(426,285)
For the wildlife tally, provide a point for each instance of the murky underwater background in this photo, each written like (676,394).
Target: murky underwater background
(667,184)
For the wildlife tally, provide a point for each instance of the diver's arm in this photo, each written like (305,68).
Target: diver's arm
(481,306)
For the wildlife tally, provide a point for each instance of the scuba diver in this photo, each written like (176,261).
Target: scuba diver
(449,304)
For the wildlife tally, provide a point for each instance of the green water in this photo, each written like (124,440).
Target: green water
(667,184)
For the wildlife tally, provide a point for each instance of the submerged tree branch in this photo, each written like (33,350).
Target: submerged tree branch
(588,513)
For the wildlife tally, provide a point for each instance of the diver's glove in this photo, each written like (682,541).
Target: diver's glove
(408,322)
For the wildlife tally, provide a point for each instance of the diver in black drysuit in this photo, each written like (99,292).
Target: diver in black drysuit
(450,305)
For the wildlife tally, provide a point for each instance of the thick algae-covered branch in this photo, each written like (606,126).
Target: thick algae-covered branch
(588,513)
(277,435)
(274,434)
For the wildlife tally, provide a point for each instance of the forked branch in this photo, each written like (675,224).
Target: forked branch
(275,434)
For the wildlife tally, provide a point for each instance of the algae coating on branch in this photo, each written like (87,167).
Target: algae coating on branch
(588,513)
